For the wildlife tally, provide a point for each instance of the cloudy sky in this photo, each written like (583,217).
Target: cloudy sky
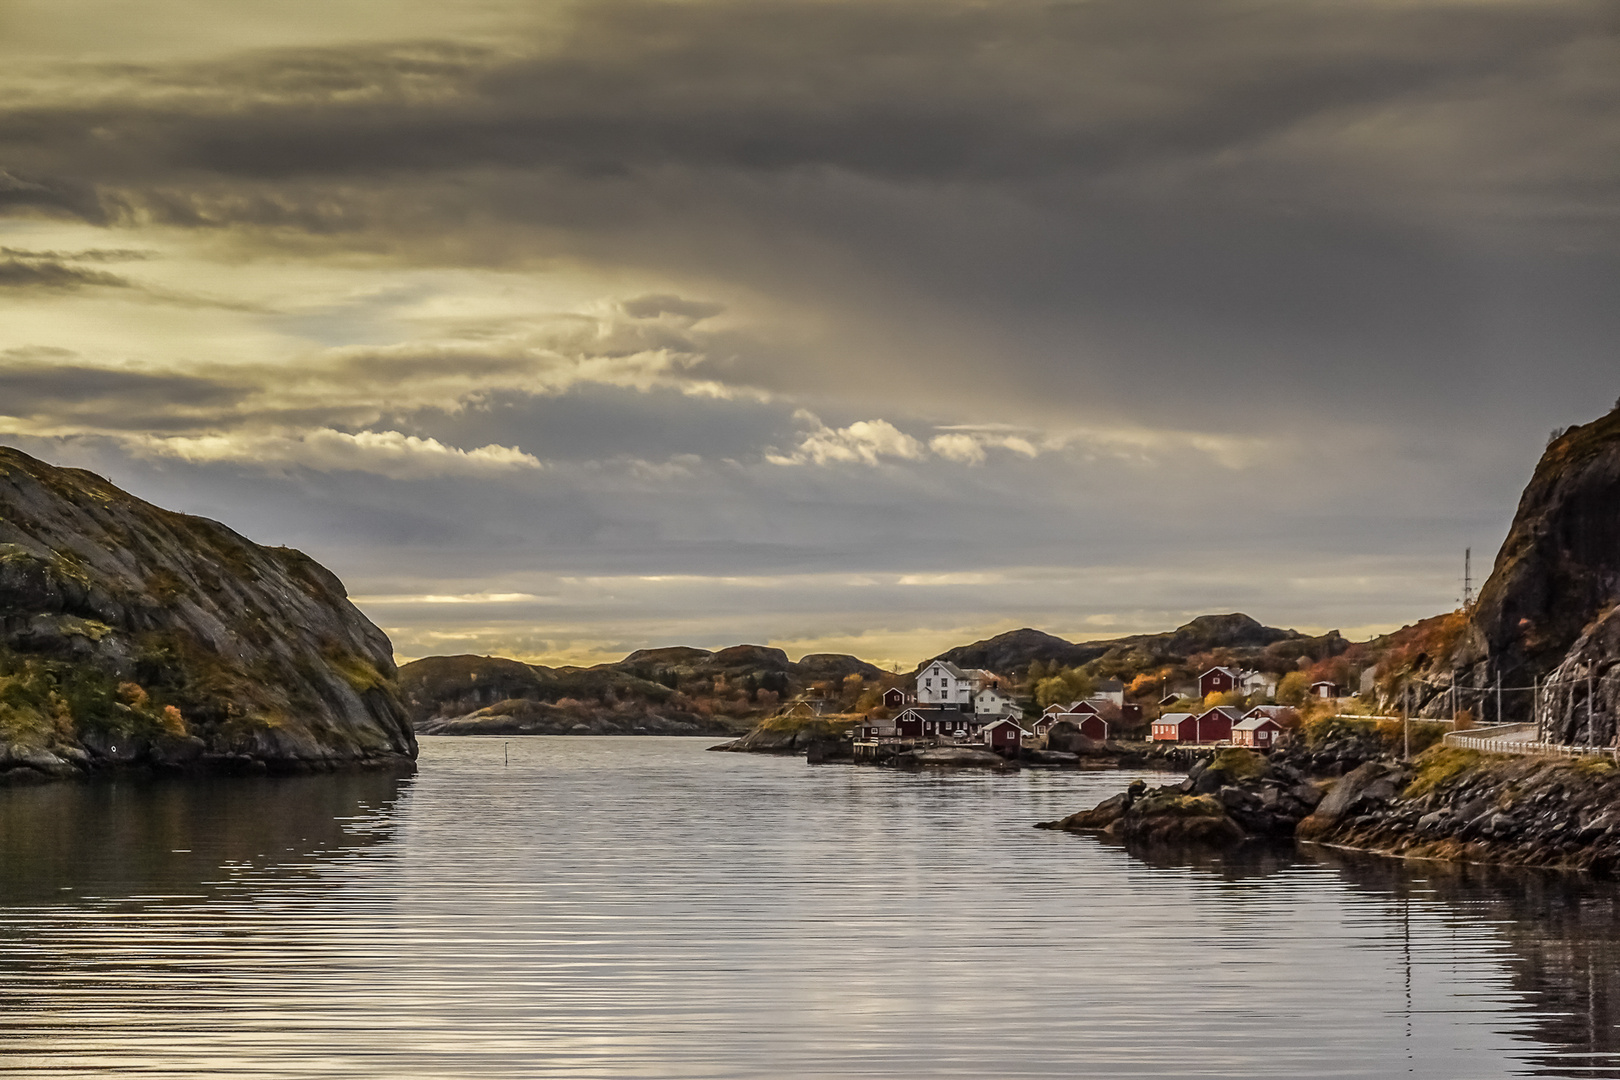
(560,330)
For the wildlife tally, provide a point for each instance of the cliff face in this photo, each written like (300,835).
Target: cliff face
(1559,569)
(1548,611)
(130,634)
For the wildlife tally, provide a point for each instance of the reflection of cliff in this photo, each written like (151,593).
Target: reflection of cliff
(64,842)
(1563,933)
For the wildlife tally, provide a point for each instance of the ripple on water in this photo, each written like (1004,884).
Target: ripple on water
(637,907)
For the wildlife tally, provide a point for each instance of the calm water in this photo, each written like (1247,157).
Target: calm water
(637,907)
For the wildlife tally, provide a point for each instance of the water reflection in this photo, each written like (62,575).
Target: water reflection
(614,908)
(170,837)
(1562,938)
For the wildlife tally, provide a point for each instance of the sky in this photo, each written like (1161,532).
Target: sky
(560,330)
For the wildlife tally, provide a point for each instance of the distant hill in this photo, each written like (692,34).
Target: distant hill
(675,690)
(1239,634)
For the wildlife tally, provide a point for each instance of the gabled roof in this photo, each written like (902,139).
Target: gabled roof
(1272,711)
(1001,721)
(1254,723)
(1110,686)
(950,669)
(1233,672)
(1323,682)
(1175,718)
(1225,710)
(1081,706)
(933,712)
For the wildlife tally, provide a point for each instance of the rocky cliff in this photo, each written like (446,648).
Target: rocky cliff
(1548,613)
(131,635)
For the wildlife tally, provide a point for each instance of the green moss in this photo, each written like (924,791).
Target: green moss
(1178,805)
(1439,766)
(1240,763)
(361,674)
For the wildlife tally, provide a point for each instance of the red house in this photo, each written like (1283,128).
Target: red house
(1090,725)
(1176,727)
(1325,689)
(1002,735)
(894,698)
(1217,680)
(1216,724)
(924,722)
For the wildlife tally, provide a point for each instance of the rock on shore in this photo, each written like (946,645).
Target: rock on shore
(1463,806)
(131,636)
(1235,796)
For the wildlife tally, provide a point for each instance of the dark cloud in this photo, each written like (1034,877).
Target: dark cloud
(125,400)
(651,307)
(34,273)
(1379,240)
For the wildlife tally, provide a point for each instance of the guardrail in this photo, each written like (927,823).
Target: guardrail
(1492,740)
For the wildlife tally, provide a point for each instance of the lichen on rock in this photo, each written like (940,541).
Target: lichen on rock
(132,635)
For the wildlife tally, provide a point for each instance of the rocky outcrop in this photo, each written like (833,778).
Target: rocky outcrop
(1461,806)
(1234,796)
(134,636)
(519,716)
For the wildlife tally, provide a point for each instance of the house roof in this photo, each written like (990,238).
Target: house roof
(1323,682)
(1254,723)
(934,712)
(1000,722)
(1233,672)
(1169,699)
(1225,710)
(1272,711)
(1174,718)
(950,669)
(1081,706)
(1110,686)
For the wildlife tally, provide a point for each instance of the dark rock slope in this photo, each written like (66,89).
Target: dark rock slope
(131,635)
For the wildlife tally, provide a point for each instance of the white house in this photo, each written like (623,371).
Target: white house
(1257,682)
(992,702)
(1111,690)
(943,683)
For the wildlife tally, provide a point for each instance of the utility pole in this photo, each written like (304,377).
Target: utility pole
(1498,697)
(1591,724)
(1468,578)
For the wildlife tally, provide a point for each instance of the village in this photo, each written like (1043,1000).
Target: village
(954,706)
